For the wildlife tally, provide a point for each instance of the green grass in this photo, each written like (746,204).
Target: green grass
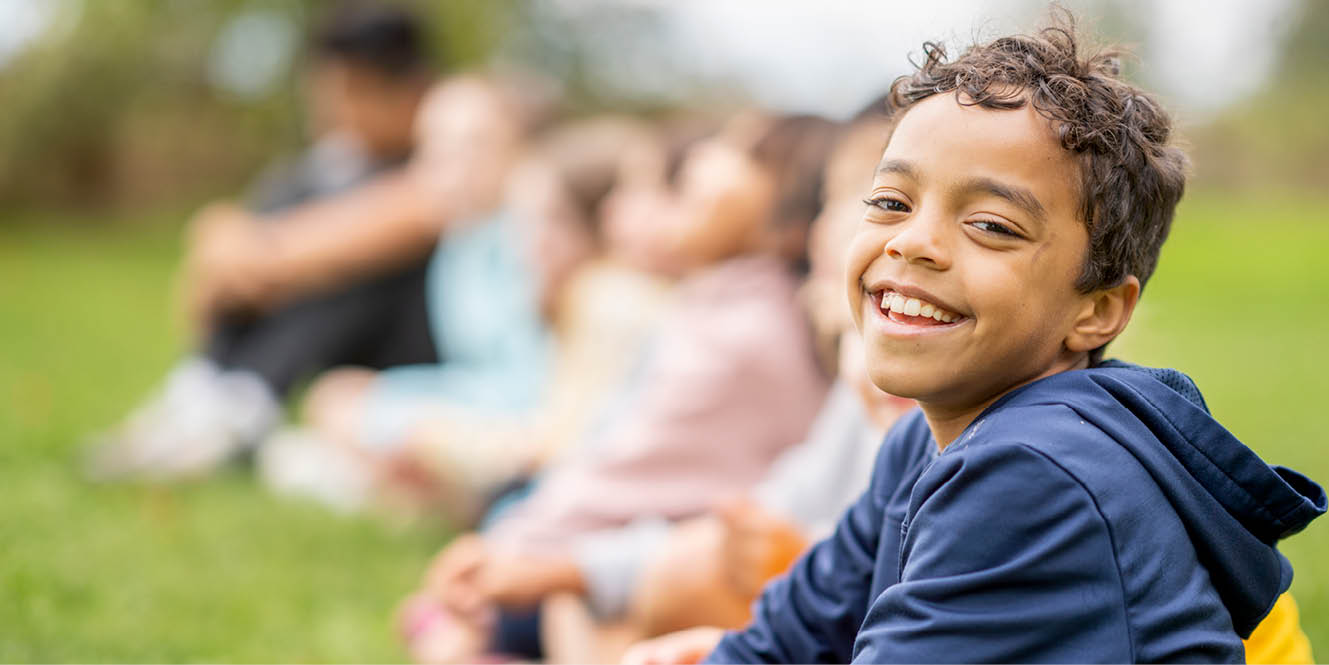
(213,571)
(223,571)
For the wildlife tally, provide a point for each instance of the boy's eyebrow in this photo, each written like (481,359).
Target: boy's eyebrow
(1021,197)
(899,166)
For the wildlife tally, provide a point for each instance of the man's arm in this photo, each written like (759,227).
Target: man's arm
(238,260)
(387,222)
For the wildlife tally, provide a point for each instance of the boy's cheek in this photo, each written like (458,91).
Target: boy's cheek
(856,310)
(855,266)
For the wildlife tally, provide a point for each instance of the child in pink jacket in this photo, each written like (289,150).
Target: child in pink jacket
(730,382)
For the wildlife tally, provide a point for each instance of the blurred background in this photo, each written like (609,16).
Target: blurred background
(118,119)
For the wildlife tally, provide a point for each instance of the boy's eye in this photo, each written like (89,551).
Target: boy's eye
(994,227)
(887,203)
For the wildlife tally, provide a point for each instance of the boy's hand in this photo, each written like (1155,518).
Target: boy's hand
(685,646)
(757,545)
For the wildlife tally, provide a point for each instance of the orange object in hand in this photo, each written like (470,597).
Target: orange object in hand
(757,546)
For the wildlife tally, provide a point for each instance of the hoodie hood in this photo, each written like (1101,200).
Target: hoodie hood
(1234,505)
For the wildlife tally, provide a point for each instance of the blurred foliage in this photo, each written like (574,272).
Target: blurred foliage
(216,571)
(113,105)
(1279,136)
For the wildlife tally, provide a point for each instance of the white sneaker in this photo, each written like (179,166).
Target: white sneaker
(201,418)
(296,462)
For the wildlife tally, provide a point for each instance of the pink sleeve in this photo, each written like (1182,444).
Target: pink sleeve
(727,390)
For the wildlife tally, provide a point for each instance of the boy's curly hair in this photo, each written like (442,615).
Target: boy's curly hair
(1131,177)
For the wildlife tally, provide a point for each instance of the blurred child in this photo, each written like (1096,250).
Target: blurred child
(729,383)
(363,86)
(445,437)
(708,570)
(600,305)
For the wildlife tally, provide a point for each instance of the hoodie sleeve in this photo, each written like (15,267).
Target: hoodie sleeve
(1006,558)
(812,614)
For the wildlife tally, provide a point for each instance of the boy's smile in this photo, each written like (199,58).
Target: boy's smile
(914,311)
(961,276)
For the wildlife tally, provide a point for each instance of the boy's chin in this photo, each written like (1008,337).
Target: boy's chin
(908,384)
(904,376)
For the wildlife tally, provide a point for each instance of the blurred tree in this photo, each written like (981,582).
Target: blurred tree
(119,102)
(1278,137)
(114,104)
(1306,53)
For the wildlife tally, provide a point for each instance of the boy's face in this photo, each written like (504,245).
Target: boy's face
(374,108)
(974,232)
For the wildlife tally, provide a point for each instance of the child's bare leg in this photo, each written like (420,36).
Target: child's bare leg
(400,486)
(335,401)
(684,586)
(569,633)
(323,461)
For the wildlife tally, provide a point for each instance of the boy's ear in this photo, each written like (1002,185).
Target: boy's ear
(1105,314)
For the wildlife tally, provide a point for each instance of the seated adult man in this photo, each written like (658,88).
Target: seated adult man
(366,79)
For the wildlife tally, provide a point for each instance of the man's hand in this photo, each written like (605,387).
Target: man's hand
(223,263)
(685,647)
(757,545)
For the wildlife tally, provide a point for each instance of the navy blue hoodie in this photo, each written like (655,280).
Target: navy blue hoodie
(1097,515)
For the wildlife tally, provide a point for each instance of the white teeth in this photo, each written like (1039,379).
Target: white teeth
(894,302)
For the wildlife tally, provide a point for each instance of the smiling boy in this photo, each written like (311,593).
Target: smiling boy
(1042,505)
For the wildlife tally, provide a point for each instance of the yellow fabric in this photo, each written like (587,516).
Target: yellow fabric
(1279,638)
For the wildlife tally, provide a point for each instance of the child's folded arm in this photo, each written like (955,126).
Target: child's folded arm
(1006,559)
(812,614)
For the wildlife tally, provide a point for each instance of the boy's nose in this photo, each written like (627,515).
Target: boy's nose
(919,241)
